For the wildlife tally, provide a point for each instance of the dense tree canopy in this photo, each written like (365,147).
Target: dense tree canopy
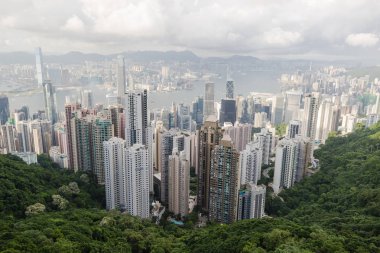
(335,210)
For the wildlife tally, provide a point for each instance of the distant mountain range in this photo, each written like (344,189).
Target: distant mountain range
(138,56)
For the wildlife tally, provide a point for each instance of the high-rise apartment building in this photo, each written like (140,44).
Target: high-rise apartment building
(310,115)
(101,131)
(250,163)
(240,134)
(137,165)
(265,139)
(179,173)
(224,182)
(70,109)
(294,128)
(114,171)
(209,136)
(251,202)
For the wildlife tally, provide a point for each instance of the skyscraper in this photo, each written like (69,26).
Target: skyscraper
(224,178)
(250,163)
(87,99)
(227,111)
(292,105)
(40,67)
(277,114)
(179,172)
(197,110)
(324,120)
(251,202)
(120,76)
(101,131)
(50,102)
(114,170)
(136,117)
(209,136)
(310,115)
(137,165)
(265,138)
(208,106)
(286,164)
(4,109)
(294,128)
(230,89)
(137,130)
(69,112)
(240,134)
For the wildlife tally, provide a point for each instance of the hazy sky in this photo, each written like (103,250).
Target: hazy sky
(329,29)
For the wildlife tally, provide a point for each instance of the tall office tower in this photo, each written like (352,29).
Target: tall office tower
(230,89)
(265,138)
(130,83)
(50,102)
(208,106)
(292,105)
(81,139)
(118,121)
(25,111)
(224,180)
(40,67)
(69,112)
(294,128)
(115,173)
(179,172)
(209,136)
(87,99)
(227,111)
(137,165)
(286,164)
(165,149)
(310,115)
(324,120)
(183,117)
(240,134)
(23,136)
(120,76)
(260,119)
(197,110)
(101,132)
(4,109)
(165,72)
(8,134)
(250,163)
(278,104)
(251,202)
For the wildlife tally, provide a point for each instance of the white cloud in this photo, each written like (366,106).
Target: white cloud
(362,39)
(74,24)
(279,37)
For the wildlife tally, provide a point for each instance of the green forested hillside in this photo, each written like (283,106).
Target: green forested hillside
(335,210)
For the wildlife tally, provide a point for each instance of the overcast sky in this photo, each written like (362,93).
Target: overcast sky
(315,29)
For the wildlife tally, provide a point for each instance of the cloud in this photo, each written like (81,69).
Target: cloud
(362,39)
(74,24)
(279,37)
(265,28)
